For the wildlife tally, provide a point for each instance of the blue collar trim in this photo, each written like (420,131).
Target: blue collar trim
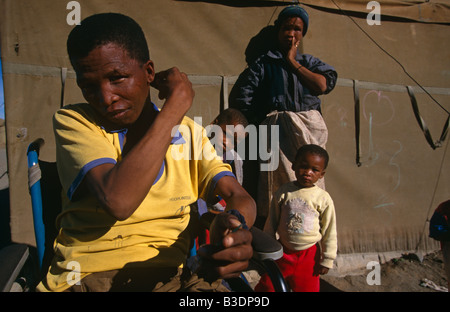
(176,139)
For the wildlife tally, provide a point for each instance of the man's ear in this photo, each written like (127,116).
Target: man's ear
(150,70)
(322,173)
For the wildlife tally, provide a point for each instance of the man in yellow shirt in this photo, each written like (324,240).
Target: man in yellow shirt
(131,171)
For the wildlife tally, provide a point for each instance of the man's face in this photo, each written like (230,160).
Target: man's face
(116,85)
(290,33)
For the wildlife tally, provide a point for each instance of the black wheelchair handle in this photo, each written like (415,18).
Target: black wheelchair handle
(36,145)
(264,245)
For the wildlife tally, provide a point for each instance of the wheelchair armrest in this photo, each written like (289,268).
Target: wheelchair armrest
(265,246)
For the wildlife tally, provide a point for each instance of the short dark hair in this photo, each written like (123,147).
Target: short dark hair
(230,116)
(315,150)
(103,28)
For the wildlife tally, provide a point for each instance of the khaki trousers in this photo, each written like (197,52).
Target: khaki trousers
(147,280)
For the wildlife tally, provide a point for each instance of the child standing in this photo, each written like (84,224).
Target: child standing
(303,216)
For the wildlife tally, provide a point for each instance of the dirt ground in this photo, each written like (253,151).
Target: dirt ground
(404,274)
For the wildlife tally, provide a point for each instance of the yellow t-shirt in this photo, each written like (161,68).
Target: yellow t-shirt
(155,234)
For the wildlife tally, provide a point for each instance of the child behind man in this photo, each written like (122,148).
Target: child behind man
(303,216)
(233,124)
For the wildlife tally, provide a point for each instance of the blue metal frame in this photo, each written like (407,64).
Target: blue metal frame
(36,200)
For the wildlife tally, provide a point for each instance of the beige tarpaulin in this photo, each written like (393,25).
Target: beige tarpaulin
(423,11)
(382,205)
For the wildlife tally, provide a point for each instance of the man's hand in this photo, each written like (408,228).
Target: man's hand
(317,83)
(175,87)
(292,52)
(230,249)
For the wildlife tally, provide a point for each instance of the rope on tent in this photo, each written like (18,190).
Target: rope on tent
(63,82)
(357,122)
(424,126)
(225,92)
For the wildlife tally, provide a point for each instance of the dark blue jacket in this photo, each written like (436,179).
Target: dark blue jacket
(270,84)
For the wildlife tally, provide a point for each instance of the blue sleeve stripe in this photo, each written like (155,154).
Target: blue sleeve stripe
(96,163)
(216,179)
(160,173)
(73,187)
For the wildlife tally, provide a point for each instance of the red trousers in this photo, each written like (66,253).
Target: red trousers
(298,269)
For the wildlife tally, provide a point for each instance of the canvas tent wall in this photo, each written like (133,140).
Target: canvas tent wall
(382,205)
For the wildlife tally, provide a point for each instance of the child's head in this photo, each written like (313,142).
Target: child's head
(231,117)
(309,164)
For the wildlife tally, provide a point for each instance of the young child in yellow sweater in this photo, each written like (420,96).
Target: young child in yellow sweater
(303,216)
